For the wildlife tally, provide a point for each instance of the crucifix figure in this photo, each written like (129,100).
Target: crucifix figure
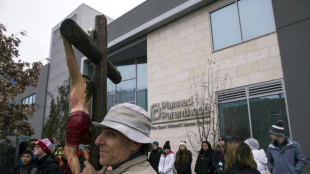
(78,125)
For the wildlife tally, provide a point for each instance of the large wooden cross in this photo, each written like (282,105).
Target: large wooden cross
(95,49)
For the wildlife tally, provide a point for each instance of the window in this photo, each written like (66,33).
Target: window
(29,100)
(234,120)
(241,21)
(250,111)
(133,87)
(265,111)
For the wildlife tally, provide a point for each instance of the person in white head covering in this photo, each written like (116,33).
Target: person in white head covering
(124,138)
(259,155)
(183,159)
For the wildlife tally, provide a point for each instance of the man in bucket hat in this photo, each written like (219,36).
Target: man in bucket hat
(124,138)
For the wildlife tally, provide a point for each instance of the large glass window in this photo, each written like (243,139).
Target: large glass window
(133,87)
(141,73)
(265,111)
(127,69)
(241,21)
(125,91)
(234,120)
(225,27)
(252,113)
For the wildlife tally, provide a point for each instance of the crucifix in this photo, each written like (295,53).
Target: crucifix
(94,47)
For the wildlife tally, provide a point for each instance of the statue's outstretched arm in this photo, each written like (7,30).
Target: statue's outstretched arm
(73,67)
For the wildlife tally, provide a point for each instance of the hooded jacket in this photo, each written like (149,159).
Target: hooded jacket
(204,162)
(286,160)
(46,165)
(217,159)
(184,168)
(166,163)
(20,168)
(261,160)
(155,157)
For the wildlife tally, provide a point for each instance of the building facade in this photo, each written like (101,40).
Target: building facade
(36,95)
(239,65)
(252,54)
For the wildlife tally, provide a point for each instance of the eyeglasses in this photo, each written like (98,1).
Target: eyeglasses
(37,146)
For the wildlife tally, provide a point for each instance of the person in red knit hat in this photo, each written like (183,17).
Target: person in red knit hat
(45,161)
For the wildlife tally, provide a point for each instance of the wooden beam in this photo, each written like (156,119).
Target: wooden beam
(81,40)
(100,91)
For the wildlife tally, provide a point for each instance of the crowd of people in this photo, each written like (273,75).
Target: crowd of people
(37,157)
(125,140)
(284,156)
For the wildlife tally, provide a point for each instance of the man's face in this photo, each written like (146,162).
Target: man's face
(155,147)
(114,147)
(205,146)
(26,159)
(273,137)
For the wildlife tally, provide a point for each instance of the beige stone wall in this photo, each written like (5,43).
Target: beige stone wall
(178,55)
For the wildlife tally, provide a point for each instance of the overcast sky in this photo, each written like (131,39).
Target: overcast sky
(38,17)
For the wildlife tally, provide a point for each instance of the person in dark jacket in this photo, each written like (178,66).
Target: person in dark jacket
(183,159)
(204,159)
(65,169)
(218,159)
(155,156)
(45,163)
(284,155)
(25,163)
(240,160)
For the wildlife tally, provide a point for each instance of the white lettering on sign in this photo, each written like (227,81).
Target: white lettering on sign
(178,109)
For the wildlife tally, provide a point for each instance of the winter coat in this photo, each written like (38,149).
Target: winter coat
(239,170)
(138,165)
(204,162)
(218,157)
(154,158)
(20,168)
(184,168)
(46,165)
(286,160)
(166,163)
(261,160)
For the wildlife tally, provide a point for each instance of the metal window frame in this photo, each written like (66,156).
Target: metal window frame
(223,5)
(248,97)
(136,82)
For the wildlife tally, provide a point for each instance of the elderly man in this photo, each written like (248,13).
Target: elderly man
(124,139)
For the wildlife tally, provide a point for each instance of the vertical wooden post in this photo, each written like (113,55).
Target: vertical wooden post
(100,80)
